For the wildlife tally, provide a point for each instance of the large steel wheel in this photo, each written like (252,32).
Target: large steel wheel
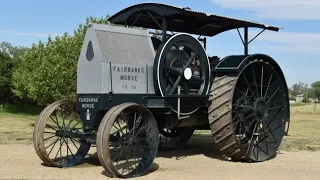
(181,61)
(127,140)
(52,138)
(248,112)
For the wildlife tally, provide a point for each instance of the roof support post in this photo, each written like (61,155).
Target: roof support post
(164,29)
(246,41)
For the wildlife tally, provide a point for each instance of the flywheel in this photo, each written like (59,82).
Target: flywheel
(181,61)
(248,112)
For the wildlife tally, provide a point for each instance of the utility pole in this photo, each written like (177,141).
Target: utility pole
(306,91)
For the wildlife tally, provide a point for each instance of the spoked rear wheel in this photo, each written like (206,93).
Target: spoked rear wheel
(52,137)
(248,112)
(127,140)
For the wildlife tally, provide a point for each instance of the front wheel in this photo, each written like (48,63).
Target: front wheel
(127,140)
(51,136)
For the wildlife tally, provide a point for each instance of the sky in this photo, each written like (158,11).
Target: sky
(296,47)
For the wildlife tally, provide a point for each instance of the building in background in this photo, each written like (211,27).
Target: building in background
(299,98)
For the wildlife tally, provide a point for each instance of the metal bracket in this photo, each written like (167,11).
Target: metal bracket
(245,40)
(286,131)
(179,116)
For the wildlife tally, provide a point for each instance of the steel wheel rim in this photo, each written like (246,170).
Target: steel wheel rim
(260,109)
(70,155)
(125,143)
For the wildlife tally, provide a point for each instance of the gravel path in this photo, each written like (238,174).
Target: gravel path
(197,162)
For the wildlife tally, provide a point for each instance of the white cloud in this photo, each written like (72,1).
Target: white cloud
(38,35)
(276,9)
(41,35)
(292,42)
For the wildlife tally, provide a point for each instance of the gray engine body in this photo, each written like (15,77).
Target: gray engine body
(116,59)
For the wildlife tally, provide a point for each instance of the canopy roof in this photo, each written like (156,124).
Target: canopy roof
(180,19)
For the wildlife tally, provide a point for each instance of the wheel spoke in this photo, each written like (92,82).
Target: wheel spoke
(175,71)
(63,123)
(277,107)
(255,80)
(118,128)
(261,131)
(49,132)
(249,86)
(73,128)
(68,149)
(261,81)
(273,120)
(70,121)
(57,123)
(49,137)
(190,60)
(251,139)
(77,148)
(247,117)
(243,95)
(273,95)
(244,106)
(271,132)
(51,127)
(123,148)
(265,94)
(55,115)
(174,87)
(54,144)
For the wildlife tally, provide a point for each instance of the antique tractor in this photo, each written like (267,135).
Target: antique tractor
(137,94)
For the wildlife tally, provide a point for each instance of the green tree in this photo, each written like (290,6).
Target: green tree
(13,51)
(311,93)
(316,89)
(9,57)
(298,88)
(47,71)
(6,65)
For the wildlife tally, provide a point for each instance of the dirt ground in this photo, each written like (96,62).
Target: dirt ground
(199,161)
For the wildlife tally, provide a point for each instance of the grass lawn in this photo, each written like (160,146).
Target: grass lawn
(16,123)
(304,132)
(16,126)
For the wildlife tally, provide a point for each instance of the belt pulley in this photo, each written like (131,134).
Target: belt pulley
(181,61)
